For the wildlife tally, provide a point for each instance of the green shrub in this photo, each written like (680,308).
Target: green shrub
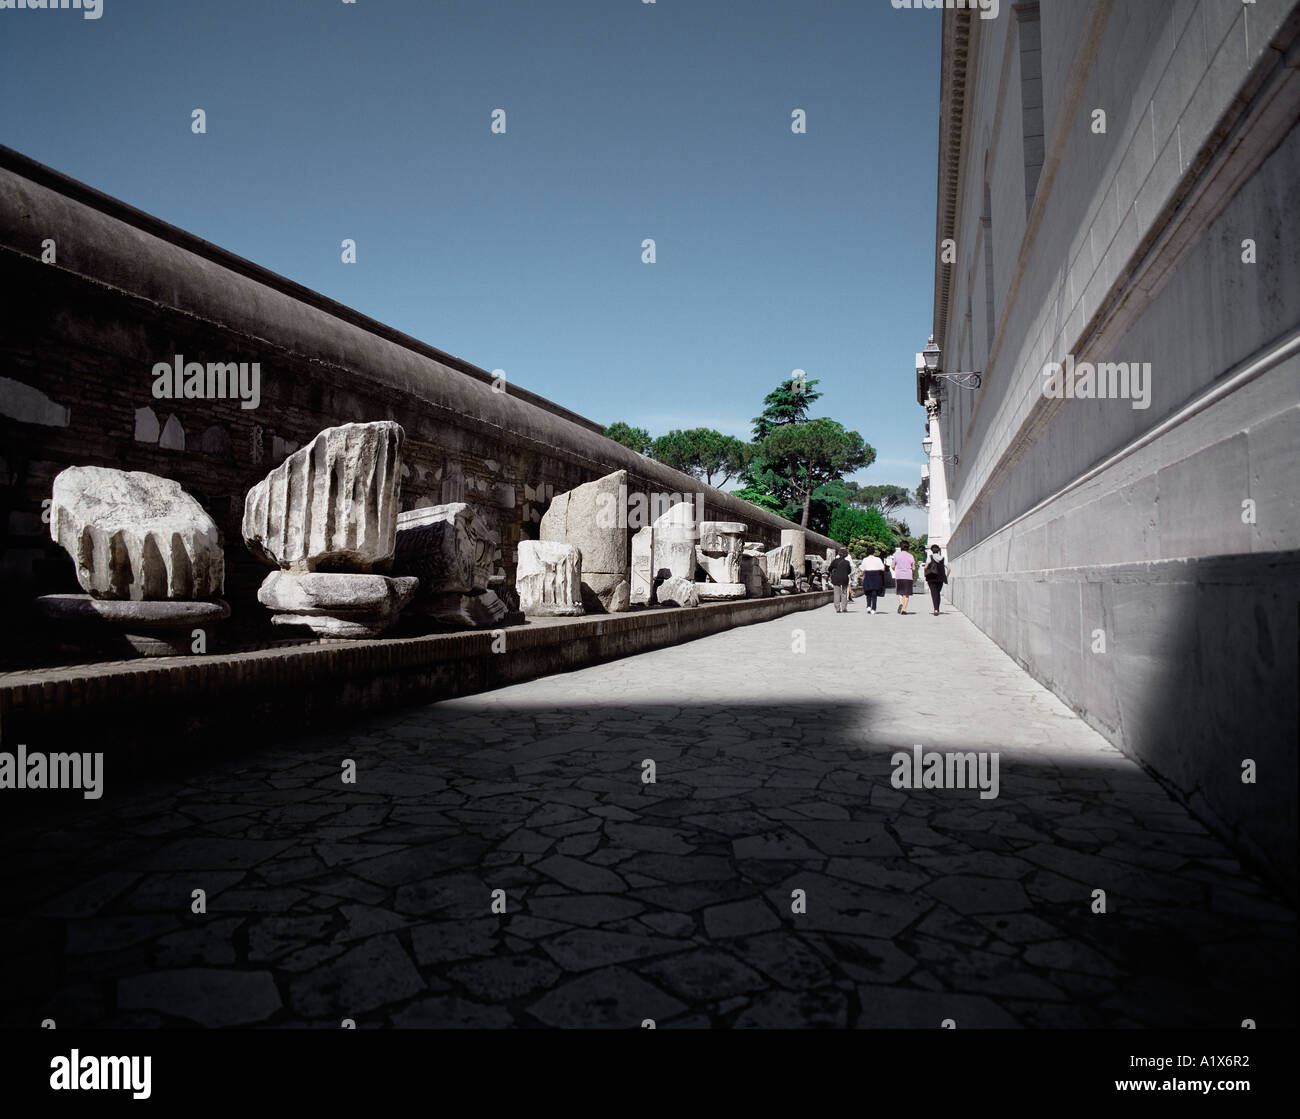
(850,525)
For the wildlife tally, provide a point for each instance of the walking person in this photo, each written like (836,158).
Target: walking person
(903,565)
(936,574)
(873,579)
(840,572)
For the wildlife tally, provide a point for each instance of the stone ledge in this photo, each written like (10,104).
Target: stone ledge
(167,701)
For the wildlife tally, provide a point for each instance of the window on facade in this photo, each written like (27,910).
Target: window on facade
(1031,96)
(986,224)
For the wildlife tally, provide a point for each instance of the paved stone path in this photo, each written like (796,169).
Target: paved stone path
(674,900)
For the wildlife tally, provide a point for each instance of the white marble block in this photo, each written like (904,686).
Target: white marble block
(549,579)
(136,536)
(593,517)
(675,591)
(642,576)
(778,564)
(718,552)
(332,505)
(335,603)
(447,547)
(674,543)
(797,539)
(714,592)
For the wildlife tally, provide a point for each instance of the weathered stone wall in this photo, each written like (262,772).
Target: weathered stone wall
(212,700)
(80,336)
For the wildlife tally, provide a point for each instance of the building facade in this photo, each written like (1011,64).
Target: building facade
(1118,256)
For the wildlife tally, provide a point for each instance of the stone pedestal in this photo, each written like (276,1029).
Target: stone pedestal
(712,592)
(153,629)
(718,552)
(549,579)
(336,604)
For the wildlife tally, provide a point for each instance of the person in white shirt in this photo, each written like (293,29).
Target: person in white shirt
(873,579)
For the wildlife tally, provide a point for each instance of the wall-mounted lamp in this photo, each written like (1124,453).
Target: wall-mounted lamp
(930,356)
(927,444)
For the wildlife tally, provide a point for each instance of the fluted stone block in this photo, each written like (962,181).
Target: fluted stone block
(675,535)
(136,536)
(778,564)
(332,505)
(447,547)
(674,591)
(593,517)
(797,539)
(549,579)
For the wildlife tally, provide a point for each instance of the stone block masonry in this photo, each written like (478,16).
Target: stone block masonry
(1123,519)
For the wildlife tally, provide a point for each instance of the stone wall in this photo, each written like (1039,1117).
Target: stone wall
(80,336)
(1143,562)
(208,702)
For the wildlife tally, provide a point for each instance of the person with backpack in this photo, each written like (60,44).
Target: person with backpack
(936,574)
(840,571)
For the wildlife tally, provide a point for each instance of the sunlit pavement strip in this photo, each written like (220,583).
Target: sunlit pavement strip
(670,901)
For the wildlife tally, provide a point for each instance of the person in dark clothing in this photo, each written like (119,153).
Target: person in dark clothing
(841,571)
(936,574)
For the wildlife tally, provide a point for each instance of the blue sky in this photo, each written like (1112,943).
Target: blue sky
(522,251)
